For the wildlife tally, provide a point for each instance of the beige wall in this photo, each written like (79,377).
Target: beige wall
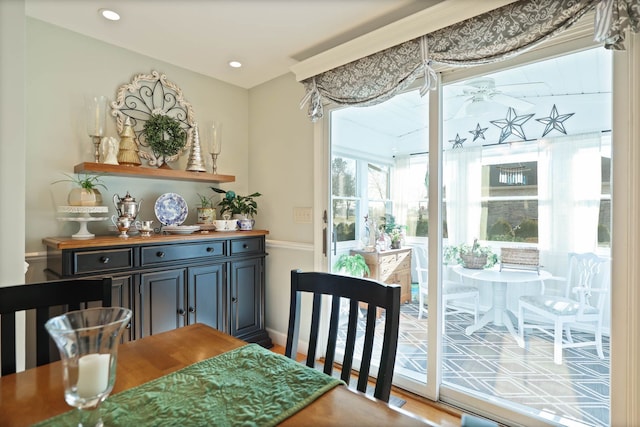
(281,167)
(62,67)
(12,141)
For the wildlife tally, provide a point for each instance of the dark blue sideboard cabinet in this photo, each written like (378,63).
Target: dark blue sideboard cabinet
(170,281)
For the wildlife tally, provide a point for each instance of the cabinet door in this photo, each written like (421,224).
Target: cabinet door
(162,301)
(246,285)
(207,293)
(121,297)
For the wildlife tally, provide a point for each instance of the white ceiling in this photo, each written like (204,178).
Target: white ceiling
(267,36)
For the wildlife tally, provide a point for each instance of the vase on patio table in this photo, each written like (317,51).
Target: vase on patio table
(88,344)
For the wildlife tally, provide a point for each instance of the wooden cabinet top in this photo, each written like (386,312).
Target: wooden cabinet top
(113,240)
(376,254)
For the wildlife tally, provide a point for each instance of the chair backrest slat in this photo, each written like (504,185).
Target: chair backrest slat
(584,269)
(375,295)
(69,294)
(8,346)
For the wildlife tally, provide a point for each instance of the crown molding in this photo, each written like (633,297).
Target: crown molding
(426,21)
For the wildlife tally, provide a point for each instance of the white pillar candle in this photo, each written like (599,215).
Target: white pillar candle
(93,374)
(98,131)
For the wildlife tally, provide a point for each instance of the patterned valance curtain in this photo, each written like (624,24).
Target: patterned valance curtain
(490,37)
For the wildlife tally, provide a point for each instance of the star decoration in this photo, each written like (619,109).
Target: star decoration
(457,143)
(554,121)
(511,125)
(478,132)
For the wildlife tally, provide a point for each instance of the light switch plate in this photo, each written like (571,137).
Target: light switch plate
(302,215)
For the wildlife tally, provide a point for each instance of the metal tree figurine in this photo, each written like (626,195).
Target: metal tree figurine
(195,163)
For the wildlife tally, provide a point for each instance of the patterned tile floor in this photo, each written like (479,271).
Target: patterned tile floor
(491,363)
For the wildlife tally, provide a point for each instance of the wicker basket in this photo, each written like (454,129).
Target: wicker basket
(476,262)
(520,258)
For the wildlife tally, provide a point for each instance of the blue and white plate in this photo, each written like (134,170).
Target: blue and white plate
(171,209)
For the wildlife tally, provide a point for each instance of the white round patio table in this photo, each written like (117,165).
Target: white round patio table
(498,313)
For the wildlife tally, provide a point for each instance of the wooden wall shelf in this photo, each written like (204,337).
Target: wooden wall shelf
(153,173)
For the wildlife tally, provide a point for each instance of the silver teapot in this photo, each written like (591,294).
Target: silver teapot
(126,206)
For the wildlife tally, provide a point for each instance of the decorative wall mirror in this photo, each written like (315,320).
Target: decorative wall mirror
(147,95)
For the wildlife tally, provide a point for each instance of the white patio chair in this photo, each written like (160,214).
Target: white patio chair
(581,307)
(452,290)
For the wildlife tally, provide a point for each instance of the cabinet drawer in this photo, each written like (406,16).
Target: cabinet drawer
(244,246)
(102,260)
(400,261)
(167,253)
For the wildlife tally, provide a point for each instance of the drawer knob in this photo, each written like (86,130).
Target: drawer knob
(210,249)
(234,299)
(245,246)
(160,254)
(192,309)
(104,259)
(181,312)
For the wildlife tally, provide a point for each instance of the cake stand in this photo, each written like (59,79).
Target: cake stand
(82,215)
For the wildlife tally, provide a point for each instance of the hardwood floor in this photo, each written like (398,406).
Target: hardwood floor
(432,411)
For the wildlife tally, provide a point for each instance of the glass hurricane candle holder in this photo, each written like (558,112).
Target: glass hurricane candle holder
(214,135)
(96,111)
(88,344)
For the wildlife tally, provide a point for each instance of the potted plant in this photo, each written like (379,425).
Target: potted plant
(353,265)
(86,193)
(241,207)
(206,211)
(164,136)
(470,256)
(396,236)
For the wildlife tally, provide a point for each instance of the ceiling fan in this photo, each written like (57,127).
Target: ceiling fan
(482,95)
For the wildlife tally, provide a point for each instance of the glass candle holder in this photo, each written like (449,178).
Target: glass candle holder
(214,136)
(88,344)
(96,118)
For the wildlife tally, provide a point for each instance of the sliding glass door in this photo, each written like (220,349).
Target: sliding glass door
(526,172)
(527,176)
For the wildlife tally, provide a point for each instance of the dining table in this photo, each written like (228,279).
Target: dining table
(165,367)
(499,279)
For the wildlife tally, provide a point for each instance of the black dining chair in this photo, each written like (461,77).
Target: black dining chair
(375,296)
(71,294)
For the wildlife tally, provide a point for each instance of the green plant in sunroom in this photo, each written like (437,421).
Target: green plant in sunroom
(354,265)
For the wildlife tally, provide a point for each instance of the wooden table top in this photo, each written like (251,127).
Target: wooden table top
(37,394)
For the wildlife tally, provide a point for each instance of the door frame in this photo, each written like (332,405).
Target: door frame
(625,342)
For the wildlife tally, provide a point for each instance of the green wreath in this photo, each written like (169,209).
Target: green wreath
(164,135)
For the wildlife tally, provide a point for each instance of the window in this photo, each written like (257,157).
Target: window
(345,203)
(351,196)
(510,202)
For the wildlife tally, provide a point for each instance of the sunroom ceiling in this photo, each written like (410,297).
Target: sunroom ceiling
(400,125)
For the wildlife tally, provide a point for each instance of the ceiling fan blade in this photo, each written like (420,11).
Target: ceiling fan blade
(523,87)
(510,101)
(452,107)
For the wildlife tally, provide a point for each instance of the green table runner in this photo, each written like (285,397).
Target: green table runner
(248,386)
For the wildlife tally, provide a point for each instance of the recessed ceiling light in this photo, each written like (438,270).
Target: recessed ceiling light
(235,64)
(109,14)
